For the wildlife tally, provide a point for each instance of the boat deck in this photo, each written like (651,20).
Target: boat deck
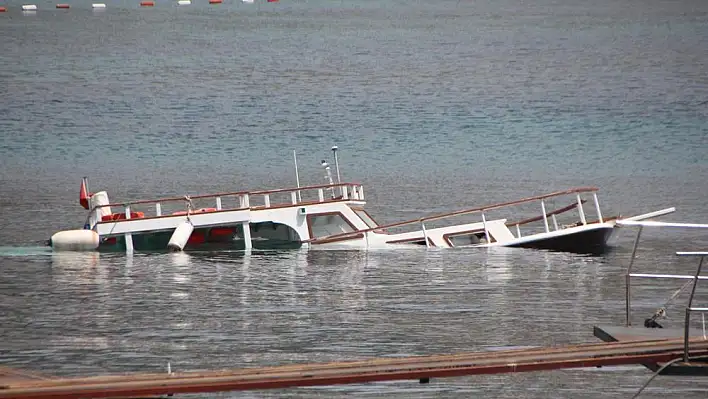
(697,367)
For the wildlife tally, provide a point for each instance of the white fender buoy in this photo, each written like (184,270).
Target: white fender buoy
(98,5)
(184,2)
(180,236)
(29,7)
(74,240)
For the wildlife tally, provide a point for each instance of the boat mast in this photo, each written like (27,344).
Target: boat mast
(336,165)
(336,162)
(297,176)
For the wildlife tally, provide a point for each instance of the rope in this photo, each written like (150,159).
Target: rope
(689,282)
(661,311)
(190,206)
(657,372)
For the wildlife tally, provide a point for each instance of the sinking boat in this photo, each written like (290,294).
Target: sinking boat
(331,216)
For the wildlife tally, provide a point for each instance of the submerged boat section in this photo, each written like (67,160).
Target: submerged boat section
(332,216)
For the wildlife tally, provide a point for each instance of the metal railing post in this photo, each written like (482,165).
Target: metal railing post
(688,311)
(425,234)
(486,232)
(597,207)
(128,236)
(628,278)
(545,217)
(580,209)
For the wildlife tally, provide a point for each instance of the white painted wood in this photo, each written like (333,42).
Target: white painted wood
(247,235)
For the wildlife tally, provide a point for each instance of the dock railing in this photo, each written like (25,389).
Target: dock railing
(546,216)
(694,277)
(258,199)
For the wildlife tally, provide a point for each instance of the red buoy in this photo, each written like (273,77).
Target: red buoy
(62,5)
(215,1)
(3,9)
(147,3)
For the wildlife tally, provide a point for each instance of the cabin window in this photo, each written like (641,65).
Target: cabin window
(472,238)
(329,224)
(364,216)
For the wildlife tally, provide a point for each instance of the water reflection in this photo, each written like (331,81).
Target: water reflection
(78,268)
(230,309)
(497,264)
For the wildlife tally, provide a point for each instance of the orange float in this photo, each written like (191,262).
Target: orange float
(121,216)
(215,1)
(147,3)
(62,5)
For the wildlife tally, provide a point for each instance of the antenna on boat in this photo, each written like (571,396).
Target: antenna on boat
(297,176)
(328,175)
(336,162)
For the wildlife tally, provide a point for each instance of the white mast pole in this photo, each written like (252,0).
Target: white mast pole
(297,177)
(336,165)
(336,162)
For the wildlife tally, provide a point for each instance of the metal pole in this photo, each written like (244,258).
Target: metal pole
(336,166)
(580,209)
(297,176)
(545,218)
(128,236)
(425,234)
(688,311)
(627,278)
(336,162)
(486,232)
(597,208)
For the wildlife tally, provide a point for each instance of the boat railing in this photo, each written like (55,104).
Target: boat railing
(259,199)
(548,217)
(693,277)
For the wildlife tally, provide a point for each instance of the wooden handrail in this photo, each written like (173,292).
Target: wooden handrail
(462,212)
(259,192)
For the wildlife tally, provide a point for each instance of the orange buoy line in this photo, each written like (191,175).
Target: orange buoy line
(63,5)
(147,3)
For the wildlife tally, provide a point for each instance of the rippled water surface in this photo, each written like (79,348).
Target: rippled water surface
(434,105)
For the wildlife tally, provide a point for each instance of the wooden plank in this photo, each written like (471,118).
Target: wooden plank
(413,368)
